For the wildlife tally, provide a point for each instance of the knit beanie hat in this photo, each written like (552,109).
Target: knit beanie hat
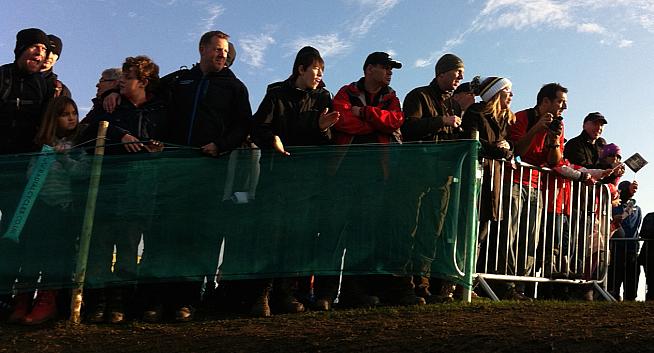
(448,62)
(56,44)
(489,86)
(27,37)
(610,150)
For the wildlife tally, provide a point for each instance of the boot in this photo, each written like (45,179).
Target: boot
(401,291)
(22,305)
(445,293)
(285,300)
(44,309)
(116,305)
(261,306)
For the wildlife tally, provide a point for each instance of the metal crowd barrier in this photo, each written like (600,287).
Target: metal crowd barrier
(538,226)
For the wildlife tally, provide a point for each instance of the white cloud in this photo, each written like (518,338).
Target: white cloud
(520,14)
(213,12)
(590,28)
(253,48)
(329,45)
(625,43)
(374,11)
(559,15)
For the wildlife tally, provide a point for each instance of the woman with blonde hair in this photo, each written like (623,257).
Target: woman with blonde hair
(490,119)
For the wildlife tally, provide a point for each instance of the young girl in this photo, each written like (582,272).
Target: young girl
(49,250)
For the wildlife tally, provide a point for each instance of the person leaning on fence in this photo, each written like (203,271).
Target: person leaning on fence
(585,149)
(490,118)
(624,269)
(432,115)
(137,125)
(646,257)
(537,137)
(370,113)
(24,95)
(47,242)
(295,112)
(208,110)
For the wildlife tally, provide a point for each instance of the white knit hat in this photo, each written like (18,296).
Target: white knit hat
(489,86)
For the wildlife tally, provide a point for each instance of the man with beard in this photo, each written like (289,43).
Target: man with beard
(24,95)
(208,108)
(433,115)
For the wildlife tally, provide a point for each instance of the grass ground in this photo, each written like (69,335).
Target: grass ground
(477,327)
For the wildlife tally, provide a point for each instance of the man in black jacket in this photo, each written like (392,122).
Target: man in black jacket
(584,150)
(24,93)
(210,107)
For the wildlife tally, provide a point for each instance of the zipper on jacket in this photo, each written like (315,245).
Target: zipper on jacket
(198,93)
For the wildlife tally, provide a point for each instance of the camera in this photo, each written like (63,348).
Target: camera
(556,126)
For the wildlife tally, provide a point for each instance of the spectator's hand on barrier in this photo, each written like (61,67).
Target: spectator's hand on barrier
(110,102)
(605,173)
(279,146)
(452,120)
(503,144)
(210,149)
(131,143)
(154,146)
(328,119)
(60,148)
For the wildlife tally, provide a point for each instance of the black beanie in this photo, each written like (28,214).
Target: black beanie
(27,37)
(448,62)
(55,44)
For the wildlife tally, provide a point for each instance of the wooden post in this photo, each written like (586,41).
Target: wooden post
(87,226)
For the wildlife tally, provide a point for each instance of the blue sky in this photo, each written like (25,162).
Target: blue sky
(600,49)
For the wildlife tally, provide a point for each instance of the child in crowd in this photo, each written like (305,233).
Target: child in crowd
(42,253)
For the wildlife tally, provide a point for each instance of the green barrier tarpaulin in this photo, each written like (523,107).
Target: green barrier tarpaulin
(368,209)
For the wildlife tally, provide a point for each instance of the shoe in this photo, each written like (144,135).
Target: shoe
(513,294)
(361,301)
(117,317)
(96,316)
(323,304)
(291,305)
(44,309)
(261,307)
(5,307)
(184,313)
(22,304)
(459,292)
(445,294)
(153,315)
(409,298)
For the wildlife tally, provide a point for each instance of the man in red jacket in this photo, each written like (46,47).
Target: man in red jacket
(370,113)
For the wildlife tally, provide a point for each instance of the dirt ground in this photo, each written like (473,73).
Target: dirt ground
(476,327)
